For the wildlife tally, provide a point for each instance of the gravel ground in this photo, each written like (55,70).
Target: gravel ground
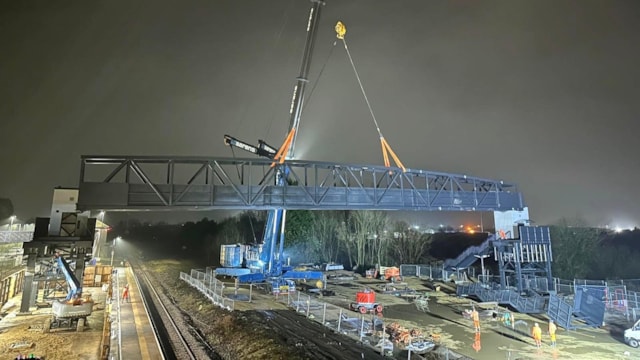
(276,333)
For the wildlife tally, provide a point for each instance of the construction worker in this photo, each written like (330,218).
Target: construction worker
(537,335)
(509,320)
(477,344)
(125,293)
(552,332)
(476,319)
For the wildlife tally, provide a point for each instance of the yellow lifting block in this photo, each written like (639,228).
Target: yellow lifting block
(341,30)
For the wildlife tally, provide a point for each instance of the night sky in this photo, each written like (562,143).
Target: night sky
(544,94)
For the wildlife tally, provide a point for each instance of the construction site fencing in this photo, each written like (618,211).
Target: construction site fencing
(622,297)
(435,272)
(211,287)
(337,318)
(367,328)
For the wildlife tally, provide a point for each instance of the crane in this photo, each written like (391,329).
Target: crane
(266,262)
(72,313)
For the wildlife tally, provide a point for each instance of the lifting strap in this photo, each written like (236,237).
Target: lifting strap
(281,155)
(341,31)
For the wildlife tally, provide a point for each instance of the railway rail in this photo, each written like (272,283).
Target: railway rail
(178,339)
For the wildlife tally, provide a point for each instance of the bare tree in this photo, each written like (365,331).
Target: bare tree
(368,225)
(326,228)
(381,238)
(346,235)
(408,245)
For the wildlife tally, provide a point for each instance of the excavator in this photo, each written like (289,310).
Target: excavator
(72,312)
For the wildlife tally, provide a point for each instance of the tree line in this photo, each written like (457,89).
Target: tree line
(584,252)
(361,239)
(356,239)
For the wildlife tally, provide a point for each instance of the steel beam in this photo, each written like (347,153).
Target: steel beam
(174,182)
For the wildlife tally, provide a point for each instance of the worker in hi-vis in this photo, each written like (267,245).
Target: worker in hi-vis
(552,332)
(537,335)
(476,319)
(125,293)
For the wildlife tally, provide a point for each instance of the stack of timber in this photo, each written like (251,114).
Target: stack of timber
(97,275)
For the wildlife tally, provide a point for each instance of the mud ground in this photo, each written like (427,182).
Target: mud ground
(22,334)
(443,320)
(267,329)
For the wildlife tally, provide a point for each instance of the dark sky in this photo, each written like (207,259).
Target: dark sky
(540,93)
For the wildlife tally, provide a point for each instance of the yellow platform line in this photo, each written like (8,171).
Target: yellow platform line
(139,317)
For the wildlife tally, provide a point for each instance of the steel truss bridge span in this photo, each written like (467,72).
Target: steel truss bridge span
(205,183)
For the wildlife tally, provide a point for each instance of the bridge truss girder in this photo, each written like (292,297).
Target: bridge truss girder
(173,182)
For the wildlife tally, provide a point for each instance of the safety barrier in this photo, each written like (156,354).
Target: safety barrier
(211,287)
(433,272)
(365,328)
(561,312)
(618,298)
(524,304)
(7,236)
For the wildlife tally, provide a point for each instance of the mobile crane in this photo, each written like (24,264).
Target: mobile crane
(72,313)
(253,264)
(263,262)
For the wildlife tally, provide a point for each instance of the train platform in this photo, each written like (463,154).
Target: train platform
(131,335)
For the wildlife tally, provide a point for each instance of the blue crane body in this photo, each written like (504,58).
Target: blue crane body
(266,262)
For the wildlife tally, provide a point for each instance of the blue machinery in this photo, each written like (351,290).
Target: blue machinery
(263,262)
(75,287)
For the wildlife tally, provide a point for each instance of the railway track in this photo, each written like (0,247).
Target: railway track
(178,339)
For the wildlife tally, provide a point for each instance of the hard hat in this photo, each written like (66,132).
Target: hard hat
(536,324)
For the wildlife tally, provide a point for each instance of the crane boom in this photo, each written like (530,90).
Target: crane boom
(263,149)
(297,101)
(75,287)
(269,262)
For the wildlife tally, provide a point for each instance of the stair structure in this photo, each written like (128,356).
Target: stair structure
(524,257)
(470,255)
(534,304)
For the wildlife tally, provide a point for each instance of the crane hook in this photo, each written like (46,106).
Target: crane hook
(341,30)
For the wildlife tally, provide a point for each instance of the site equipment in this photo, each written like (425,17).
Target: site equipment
(366,302)
(632,335)
(265,262)
(71,313)
(392,274)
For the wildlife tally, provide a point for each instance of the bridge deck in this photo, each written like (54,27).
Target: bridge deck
(172,182)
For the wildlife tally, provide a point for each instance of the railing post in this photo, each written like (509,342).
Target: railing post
(324,313)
